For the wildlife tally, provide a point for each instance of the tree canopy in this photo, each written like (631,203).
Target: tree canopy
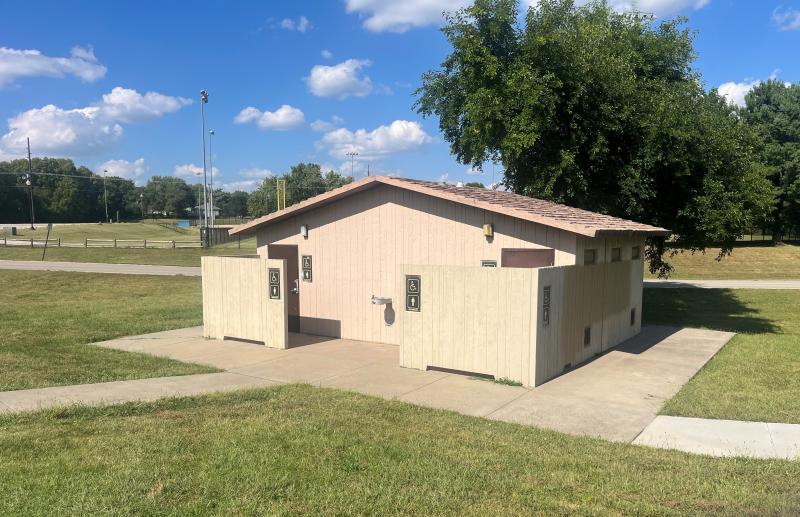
(303,181)
(600,110)
(170,196)
(773,110)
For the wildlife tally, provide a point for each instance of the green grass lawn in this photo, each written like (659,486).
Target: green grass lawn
(79,232)
(301,450)
(176,257)
(746,262)
(47,319)
(756,376)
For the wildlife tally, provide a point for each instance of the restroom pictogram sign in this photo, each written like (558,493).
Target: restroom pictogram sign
(274,283)
(306,263)
(413,293)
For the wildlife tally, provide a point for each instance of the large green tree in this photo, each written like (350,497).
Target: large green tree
(231,204)
(599,110)
(170,196)
(773,110)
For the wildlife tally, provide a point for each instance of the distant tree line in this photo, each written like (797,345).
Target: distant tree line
(63,192)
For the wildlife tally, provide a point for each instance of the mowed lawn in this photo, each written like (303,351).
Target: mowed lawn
(47,319)
(756,376)
(79,232)
(302,450)
(744,263)
(161,257)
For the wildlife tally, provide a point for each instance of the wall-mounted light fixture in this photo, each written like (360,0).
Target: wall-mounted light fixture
(488,230)
(304,230)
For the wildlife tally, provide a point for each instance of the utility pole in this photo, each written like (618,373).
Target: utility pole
(211,166)
(29,182)
(141,204)
(203,102)
(105,192)
(367,169)
(352,155)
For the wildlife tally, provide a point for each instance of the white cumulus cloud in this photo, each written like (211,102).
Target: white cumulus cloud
(245,185)
(127,105)
(256,173)
(188,171)
(284,118)
(786,19)
(123,168)
(400,16)
(399,136)
(341,81)
(735,92)
(327,125)
(81,131)
(81,63)
(327,54)
(302,24)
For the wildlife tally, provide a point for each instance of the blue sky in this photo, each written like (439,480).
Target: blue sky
(115,85)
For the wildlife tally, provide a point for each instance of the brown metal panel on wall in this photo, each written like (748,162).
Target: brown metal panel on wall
(521,257)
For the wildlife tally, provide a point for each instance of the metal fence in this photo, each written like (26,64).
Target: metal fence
(102,243)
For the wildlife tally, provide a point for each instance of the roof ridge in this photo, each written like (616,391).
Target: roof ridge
(511,204)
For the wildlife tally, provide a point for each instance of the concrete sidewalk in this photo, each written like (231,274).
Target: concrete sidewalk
(723,284)
(125,391)
(722,437)
(100,267)
(613,397)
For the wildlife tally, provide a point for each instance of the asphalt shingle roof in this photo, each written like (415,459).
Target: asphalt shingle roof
(576,220)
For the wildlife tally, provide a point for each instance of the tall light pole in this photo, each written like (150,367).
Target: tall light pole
(105,192)
(199,215)
(352,155)
(211,166)
(141,204)
(203,102)
(28,182)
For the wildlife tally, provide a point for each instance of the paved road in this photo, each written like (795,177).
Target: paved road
(724,284)
(99,267)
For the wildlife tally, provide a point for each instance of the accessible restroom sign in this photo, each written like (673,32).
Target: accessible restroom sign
(306,263)
(274,283)
(413,293)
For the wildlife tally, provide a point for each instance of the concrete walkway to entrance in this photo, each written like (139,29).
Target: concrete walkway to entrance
(613,397)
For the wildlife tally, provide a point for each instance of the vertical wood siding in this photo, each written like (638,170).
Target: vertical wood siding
(236,301)
(490,321)
(460,326)
(359,243)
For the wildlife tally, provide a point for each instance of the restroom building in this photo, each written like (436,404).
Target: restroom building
(459,278)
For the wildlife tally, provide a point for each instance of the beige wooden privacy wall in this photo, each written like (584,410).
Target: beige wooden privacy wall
(490,320)
(236,302)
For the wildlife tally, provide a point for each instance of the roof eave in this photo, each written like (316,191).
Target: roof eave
(655,232)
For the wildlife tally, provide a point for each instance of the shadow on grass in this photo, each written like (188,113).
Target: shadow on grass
(717,309)
(743,244)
